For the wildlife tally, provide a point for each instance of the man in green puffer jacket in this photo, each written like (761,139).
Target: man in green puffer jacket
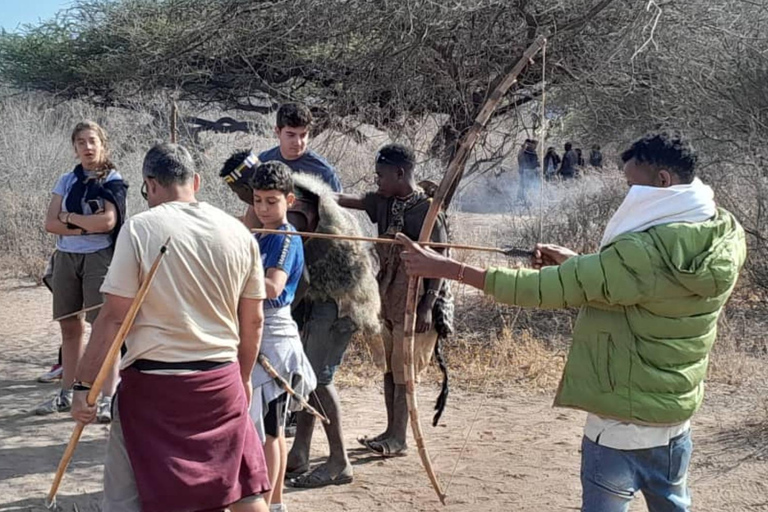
(649,302)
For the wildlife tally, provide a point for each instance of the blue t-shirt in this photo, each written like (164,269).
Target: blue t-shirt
(286,253)
(81,244)
(309,163)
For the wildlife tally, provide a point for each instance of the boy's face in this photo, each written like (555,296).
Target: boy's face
(293,141)
(388,180)
(271,207)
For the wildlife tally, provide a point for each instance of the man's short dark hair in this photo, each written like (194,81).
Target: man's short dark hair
(664,150)
(397,155)
(294,115)
(568,146)
(272,175)
(169,164)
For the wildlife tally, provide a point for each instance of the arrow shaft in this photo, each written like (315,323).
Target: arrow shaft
(390,241)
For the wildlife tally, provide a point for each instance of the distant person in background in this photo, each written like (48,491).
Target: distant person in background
(86,211)
(551,163)
(596,157)
(570,162)
(529,169)
(580,158)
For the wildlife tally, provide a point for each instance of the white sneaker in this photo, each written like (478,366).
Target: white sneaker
(278,507)
(104,409)
(51,375)
(62,402)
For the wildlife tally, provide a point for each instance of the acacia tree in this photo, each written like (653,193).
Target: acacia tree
(382,62)
(700,67)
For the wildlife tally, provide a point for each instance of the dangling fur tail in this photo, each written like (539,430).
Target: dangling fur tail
(442,398)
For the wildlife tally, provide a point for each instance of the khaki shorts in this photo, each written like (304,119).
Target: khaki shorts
(76,281)
(423,347)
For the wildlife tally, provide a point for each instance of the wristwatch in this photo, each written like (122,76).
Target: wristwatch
(81,386)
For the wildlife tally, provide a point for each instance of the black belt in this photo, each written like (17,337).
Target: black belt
(148,365)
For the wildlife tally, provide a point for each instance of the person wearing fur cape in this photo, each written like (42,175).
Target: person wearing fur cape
(338,297)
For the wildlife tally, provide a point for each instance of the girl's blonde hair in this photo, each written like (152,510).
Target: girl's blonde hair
(106,164)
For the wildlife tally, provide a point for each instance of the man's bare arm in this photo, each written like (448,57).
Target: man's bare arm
(250,219)
(250,313)
(105,328)
(350,201)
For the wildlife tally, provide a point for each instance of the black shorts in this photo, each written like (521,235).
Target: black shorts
(274,421)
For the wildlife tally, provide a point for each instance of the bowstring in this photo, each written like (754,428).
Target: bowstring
(543,137)
(486,392)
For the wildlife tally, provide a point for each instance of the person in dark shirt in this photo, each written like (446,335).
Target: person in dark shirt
(529,169)
(399,206)
(292,130)
(596,157)
(551,163)
(570,162)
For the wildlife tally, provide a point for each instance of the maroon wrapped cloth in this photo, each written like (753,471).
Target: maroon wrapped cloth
(191,442)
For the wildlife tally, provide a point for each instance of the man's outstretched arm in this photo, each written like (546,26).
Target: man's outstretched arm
(350,201)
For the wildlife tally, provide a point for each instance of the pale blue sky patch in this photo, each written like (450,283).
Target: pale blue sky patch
(15,13)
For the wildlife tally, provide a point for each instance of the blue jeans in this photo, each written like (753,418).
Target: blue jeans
(610,478)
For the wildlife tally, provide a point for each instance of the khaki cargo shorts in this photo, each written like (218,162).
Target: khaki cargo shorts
(76,281)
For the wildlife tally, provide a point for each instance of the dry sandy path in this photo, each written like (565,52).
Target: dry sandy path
(522,455)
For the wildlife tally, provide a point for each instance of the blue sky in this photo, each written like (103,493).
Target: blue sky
(17,12)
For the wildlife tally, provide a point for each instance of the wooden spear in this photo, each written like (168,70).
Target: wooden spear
(106,367)
(509,251)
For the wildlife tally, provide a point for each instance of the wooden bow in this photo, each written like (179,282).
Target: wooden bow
(441,198)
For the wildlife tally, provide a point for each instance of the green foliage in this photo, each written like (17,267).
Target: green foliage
(382,61)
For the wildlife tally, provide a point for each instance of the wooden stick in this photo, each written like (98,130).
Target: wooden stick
(106,368)
(392,241)
(84,310)
(174,121)
(264,362)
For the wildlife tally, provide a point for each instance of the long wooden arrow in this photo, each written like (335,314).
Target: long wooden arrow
(508,251)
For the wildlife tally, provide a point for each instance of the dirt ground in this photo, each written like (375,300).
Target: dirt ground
(520,455)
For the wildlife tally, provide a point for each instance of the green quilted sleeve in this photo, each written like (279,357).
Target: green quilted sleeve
(622,274)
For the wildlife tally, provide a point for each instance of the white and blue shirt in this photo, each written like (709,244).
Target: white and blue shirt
(284,252)
(81,244)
